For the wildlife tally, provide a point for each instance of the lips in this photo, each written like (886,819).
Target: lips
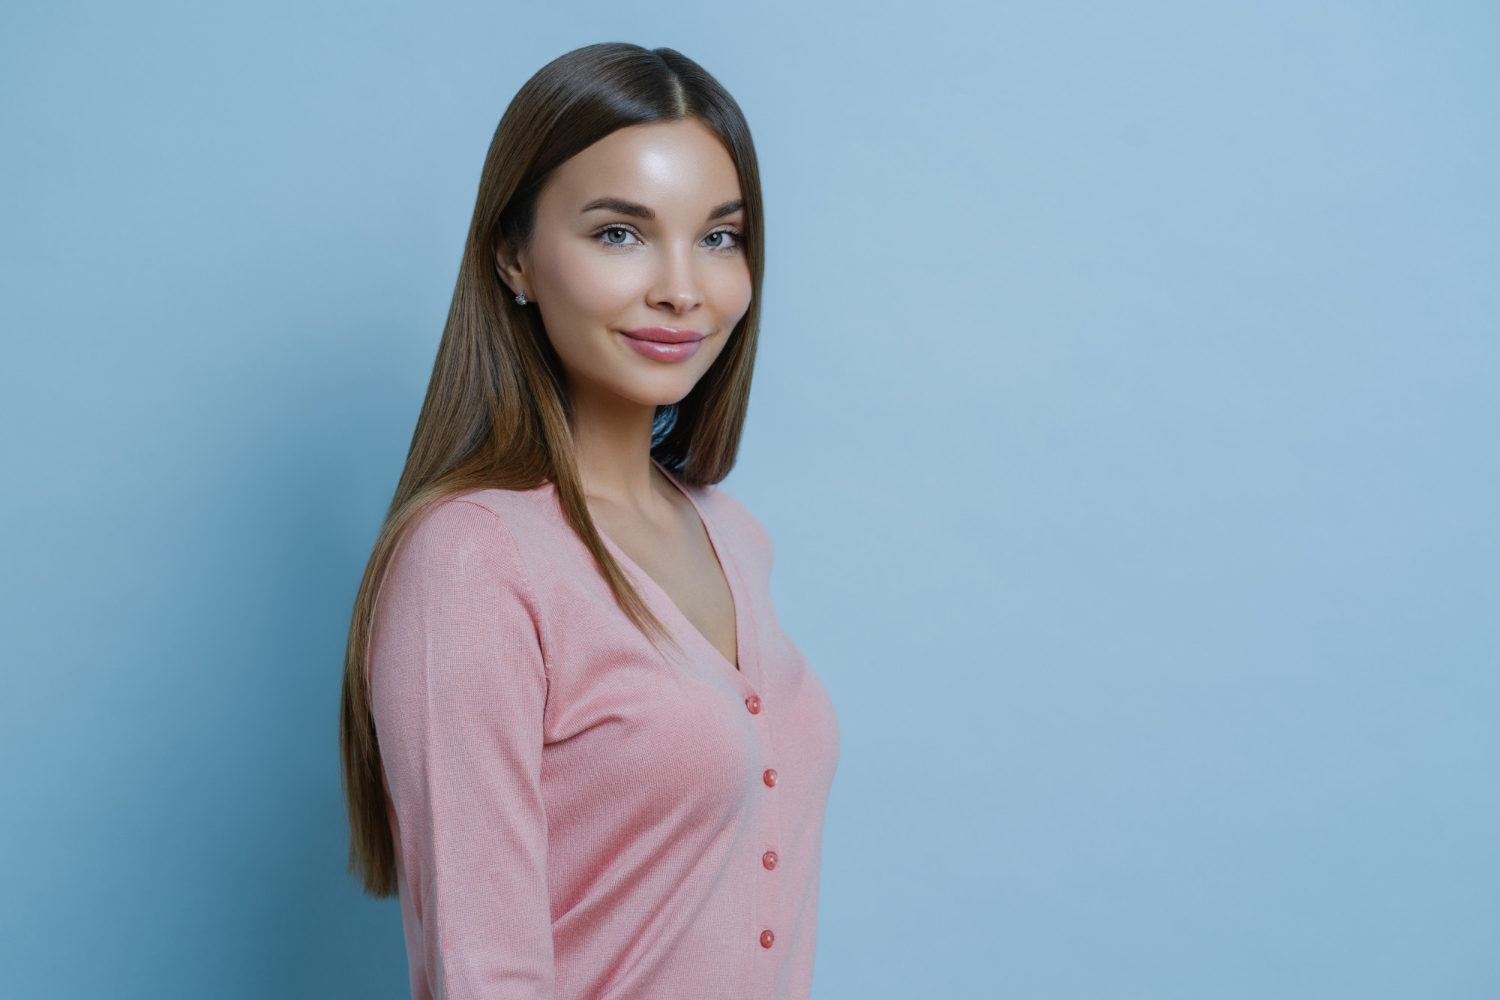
(663,343)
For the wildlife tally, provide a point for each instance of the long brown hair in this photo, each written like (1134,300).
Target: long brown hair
(496,412)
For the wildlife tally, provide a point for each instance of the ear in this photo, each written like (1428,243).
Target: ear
(511,267)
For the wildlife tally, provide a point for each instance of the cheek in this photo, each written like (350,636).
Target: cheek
(729,292)
(579,289)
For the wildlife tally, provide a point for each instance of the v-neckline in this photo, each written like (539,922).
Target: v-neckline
(726,568)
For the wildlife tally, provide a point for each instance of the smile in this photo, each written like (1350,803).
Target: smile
(662,343)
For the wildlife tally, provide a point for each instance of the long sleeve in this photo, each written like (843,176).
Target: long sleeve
(459,693)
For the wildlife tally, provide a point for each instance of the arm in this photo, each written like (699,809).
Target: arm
(458,690)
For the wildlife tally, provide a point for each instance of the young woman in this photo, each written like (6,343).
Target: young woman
(575,739)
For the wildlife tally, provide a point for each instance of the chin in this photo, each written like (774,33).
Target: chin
(658,392)
(650,383)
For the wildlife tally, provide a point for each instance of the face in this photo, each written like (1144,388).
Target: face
(636,261)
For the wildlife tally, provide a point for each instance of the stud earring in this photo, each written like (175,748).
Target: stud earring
(521,298)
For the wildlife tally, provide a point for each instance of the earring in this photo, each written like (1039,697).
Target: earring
(521,298)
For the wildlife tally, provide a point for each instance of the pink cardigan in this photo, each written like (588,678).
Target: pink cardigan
(578,814)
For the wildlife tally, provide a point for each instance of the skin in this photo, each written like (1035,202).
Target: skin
(663,251)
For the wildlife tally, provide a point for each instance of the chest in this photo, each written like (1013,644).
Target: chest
(652,739)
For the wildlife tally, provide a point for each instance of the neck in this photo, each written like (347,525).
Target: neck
(612,441)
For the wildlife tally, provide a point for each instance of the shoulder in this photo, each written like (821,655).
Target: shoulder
(458,521)
(468,530)
(733,519)
(454,594)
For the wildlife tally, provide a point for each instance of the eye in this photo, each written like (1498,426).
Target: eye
(616,235)
(722,239)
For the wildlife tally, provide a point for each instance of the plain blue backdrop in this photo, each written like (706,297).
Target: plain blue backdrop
(1126,421)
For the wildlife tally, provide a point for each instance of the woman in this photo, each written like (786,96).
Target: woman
(575,740)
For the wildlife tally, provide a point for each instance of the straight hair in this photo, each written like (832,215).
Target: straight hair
(497,414)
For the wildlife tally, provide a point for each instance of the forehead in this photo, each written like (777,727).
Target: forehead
(661,162)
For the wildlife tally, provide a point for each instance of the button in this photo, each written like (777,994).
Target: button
(769,859)
(770,777)
(767,939)
(753,704)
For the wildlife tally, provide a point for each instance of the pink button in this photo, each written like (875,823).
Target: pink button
(769,859)
(753,704)
(767,939)
(770,779)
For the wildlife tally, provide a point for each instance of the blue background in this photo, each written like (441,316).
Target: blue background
(1126,420)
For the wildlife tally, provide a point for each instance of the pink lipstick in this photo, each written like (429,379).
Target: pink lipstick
(662,343)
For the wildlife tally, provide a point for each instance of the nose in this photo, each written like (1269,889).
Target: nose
(676,287)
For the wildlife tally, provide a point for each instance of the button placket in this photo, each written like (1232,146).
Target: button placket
(767,892)
(750,678)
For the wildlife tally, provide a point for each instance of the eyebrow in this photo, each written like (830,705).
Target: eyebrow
(619,205)
(728,208)
(639,211)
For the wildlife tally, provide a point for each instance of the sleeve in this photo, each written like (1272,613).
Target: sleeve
(459,690)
